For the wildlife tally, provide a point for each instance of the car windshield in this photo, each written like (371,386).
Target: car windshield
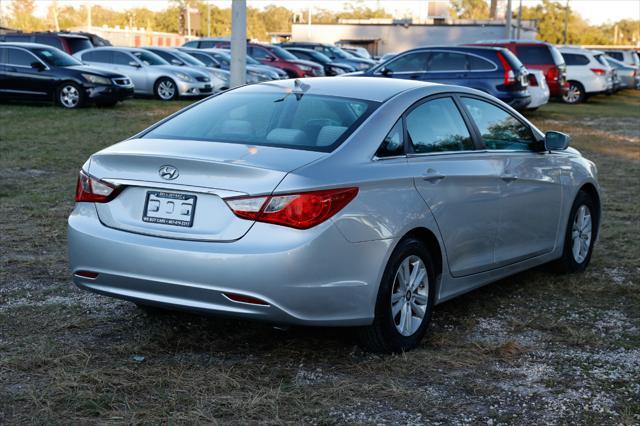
(251,61)
(339,53)
(54,57)
(267,116)
(318,57)
(224,58)
(149,58)
(188,59)
(282,54)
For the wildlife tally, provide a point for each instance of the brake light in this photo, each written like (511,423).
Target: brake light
(598,71)
(553,74)
(533,81)
(301,211)
(90,189)
(509,75)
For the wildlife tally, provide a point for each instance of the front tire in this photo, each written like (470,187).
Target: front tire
(405,301)
(70,96)
(580,235)
(165,89)
(575,94)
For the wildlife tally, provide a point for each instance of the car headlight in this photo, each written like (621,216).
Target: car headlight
(337,70)
(96,79)
(183,77)
(219,74)
(304,68)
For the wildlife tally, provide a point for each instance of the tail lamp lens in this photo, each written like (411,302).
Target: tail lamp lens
(598,71)
(509,75)
(301,211)
(90,189)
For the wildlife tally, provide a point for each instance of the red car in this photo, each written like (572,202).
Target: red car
(538,55)
(267,54)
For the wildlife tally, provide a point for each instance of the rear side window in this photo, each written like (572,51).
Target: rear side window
(393,144)
(535,55)
(3,55)
(78,44)
(602,60)
(260,115)
(191,44)
(447,61)
(50,41)
(479,64)
(575,59)
(437,126)
(411,62)
(616,55)
(20,58)
(499,129)
(207,44)
(17,38)
(102,56)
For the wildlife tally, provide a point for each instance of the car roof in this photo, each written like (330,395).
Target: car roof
(463,47)
(367,88)
(580,50)
(511,41)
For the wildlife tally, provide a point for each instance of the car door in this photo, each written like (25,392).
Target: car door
(124,63)
(530,182)
(412,66)
(23,80)
(457,183)
(447,68)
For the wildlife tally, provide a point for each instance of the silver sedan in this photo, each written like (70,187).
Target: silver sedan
(331,202)
(151,75)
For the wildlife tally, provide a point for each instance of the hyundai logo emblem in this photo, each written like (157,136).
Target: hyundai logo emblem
(168,172)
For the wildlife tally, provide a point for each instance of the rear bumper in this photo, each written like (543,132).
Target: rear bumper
(312,277)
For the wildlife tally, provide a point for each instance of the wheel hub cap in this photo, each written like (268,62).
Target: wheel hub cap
(409,295)
(581,232)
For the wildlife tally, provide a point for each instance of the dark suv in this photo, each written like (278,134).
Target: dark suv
(492,70)
(267,54)
(538,55)
(334,53)
(67,42)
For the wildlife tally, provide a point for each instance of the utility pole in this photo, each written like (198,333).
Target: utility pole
(54,7)
(238,42)
(493,9)
(208,19)
(89,16)
(566,23)
(519,20)
(507,31)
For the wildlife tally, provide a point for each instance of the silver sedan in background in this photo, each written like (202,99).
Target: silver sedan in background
(150,74)
(331,202)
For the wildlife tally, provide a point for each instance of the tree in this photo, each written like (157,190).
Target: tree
(21,16)
(470,9)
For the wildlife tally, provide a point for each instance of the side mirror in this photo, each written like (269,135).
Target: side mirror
(36,65)
(556,141)
(134,64)
(386,71)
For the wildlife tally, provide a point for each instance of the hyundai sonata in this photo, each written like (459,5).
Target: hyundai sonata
(331,202)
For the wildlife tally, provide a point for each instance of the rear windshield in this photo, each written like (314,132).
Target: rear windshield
(269,116)
(539,55)
(76,44)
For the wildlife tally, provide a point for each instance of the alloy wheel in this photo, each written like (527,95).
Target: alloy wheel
(581,233)
(409,295)
(573,94)
(69,96)
(166,89)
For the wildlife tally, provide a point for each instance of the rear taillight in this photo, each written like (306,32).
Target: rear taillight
(533,81)
(90,189)
(509,75)
(598,71)
(301,211)
(553,74)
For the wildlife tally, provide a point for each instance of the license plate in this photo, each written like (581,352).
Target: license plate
(169,208)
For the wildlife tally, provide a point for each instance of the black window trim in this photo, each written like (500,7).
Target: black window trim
(482,147)
(429,52)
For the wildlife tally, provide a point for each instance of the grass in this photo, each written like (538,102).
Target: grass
(535,348)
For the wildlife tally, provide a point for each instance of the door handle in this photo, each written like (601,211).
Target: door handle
(509,178)
(432,176)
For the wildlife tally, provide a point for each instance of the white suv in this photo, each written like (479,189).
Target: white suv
(588,73)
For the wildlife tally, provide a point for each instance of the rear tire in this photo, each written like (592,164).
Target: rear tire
(575,94)
(165,89)
(580,235)
(403,306)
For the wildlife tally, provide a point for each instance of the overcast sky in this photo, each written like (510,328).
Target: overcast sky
(594,11)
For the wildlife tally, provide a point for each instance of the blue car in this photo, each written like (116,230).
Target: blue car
(495,71)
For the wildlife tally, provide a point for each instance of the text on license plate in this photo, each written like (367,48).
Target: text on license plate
(169,208)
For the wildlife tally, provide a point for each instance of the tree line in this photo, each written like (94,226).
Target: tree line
(216,21)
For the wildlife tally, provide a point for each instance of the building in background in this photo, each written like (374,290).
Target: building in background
(136,37)
(380,36)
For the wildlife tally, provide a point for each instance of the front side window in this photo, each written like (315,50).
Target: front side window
(20,58)
(260,115)
(393,144)
(499,129)
(101,56)
(615,55)
(437,126)
(49,40)
(259,53)
(575,59)
(120,58)
(447,61)
(411,62)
